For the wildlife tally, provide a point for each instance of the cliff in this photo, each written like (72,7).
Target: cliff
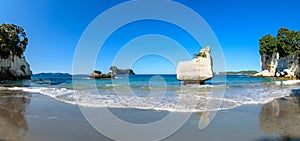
(280,55)
(13,42)
(196,70)
(276,66)
(14,68)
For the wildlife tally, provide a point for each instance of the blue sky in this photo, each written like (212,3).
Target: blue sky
(54,28)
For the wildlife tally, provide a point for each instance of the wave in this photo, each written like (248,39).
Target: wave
(181,102)
(287,82)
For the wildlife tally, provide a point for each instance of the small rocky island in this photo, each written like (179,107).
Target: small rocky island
(116,71)
(112,73)
(197,70)
(98,75)
(280,55)
(13,42)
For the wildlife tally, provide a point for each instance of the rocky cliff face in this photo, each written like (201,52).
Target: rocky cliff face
(275,65)
(198,69)
(14,68)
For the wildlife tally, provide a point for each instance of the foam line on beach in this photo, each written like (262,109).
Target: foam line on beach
(287,82)
(176,103)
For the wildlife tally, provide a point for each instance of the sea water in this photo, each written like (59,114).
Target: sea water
(156,92)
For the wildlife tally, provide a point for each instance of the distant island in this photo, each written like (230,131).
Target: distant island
(116,71)
(248,72)
(43,74)
(52,74)
(96,74)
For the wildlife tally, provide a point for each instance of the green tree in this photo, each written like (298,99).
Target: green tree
(201,54)
(283,44)
(286,42)
(267,45)
(97,72)
(13,40)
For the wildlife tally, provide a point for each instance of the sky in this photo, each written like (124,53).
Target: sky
(55,27)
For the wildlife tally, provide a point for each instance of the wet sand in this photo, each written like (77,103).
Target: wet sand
(34,117)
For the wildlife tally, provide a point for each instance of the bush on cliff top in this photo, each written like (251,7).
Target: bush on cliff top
(13,40)
(286,42)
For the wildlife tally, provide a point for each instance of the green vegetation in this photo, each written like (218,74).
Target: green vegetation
(268,65)
(286,42)
(249,72)
(13,40)
(97,72)
(201,54)
(116,71)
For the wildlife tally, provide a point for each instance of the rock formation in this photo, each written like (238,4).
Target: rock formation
(280,55)
(116,71)
(14,68)
(13,42)
(276,66)
(98,75)
(197,70)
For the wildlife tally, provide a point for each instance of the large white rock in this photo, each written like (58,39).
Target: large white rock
(14,68)
(198,69)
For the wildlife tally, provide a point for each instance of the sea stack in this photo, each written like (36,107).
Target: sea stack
(197,70)
(13,65)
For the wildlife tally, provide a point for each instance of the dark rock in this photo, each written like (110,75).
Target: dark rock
(114,70)
(98,75)
(14,68)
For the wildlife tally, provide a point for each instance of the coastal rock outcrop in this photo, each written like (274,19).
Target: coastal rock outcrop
(116,71)
(14,68)
(197,70)
(13,42)
(98,75)
(280,55)
(276,66)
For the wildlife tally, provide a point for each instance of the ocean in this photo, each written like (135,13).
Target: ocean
(156,92)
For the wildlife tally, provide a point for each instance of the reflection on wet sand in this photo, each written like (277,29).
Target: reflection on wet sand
(281,117)
(205,119)
(208,101)
(13,125)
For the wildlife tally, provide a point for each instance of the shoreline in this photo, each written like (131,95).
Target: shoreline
(44,118)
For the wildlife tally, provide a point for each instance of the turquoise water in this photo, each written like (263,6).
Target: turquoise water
(158,92)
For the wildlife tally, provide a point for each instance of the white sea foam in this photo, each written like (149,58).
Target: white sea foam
(182,102)
(287,82)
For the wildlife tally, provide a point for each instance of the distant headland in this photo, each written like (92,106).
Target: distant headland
(248,72)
